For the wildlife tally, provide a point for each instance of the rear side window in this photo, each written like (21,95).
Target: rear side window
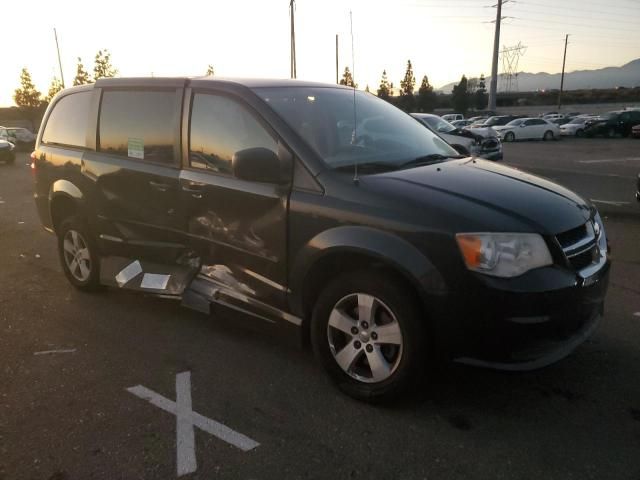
(139,124)
(67,123)
(220,127)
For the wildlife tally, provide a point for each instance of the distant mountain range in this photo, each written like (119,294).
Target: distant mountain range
(610,77)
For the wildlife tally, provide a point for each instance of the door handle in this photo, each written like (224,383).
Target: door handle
(194,189)
(162,187)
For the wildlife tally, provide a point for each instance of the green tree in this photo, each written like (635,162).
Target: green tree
(102,67)
(408,83)
(209,70)
(426,96)
(384,90)
(480,96)
(460,96)
(347,79)
(82,76)
(26,96)
(407,101)
(55,87)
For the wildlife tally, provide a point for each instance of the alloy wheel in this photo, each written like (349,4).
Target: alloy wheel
(77,256)
(365,338)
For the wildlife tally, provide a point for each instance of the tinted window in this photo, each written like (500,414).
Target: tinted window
(220,127)
(67,123)
(139,124)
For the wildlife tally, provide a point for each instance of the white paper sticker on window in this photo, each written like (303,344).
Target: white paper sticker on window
(136,148)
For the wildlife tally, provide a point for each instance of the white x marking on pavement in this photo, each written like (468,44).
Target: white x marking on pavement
(186,418)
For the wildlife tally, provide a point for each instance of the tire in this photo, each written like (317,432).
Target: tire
(548,135)
(580,133)
(509,137)
(338,335)
(76,246)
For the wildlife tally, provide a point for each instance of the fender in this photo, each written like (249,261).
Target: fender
(389,248)
(65,187)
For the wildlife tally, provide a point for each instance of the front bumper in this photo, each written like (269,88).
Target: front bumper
(525,325)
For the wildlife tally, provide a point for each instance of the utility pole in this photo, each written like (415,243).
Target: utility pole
(564,60)
(337,73)
(59,61)
(293,38)
(493,89)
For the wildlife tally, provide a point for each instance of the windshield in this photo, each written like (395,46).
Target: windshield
(324,118)
(578,121)
(515,123)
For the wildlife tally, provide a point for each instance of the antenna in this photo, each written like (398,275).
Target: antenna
(355,118)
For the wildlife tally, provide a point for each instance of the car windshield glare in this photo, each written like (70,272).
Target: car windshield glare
(382,135)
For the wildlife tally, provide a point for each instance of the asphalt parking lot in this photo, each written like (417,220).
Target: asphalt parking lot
(94,386)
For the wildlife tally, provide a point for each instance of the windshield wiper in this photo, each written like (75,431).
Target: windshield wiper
(428,160)
(368,166)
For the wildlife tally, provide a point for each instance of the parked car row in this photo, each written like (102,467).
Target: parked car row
(552,125)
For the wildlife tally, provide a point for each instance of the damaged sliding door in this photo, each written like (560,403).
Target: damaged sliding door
(136,170)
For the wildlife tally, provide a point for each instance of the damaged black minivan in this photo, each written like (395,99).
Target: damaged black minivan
(324,209)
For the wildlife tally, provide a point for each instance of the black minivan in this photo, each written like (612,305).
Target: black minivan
(324,209)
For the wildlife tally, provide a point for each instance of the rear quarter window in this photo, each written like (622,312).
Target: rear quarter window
(67,122)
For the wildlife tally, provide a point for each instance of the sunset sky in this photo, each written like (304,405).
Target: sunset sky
(443,38)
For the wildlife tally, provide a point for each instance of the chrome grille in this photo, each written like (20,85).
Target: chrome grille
(580,246)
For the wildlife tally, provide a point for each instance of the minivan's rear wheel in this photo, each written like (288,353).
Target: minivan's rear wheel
(367,332)
(509,137)
(78,254)
(548,135)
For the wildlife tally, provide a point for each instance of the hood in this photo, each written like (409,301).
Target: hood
(499,128)
(487,195)
(482,132)
(477,134)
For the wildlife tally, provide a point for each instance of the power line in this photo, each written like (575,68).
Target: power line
(580,17)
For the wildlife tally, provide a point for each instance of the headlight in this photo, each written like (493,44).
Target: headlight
(503,254)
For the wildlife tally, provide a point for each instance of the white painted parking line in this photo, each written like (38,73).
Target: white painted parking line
(611,160)
(186,418)
(637,314)
(51,352)
(615,203)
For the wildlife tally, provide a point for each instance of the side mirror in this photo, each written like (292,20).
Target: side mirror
(259,165)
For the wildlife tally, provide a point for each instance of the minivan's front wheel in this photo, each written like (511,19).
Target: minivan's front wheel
(78,254)
(367,332)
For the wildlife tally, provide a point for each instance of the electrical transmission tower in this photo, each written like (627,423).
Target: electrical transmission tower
(510,57)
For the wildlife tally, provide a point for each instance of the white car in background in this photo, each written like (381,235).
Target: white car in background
(18,136)
(575,128)
(528,129)
(452,117)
